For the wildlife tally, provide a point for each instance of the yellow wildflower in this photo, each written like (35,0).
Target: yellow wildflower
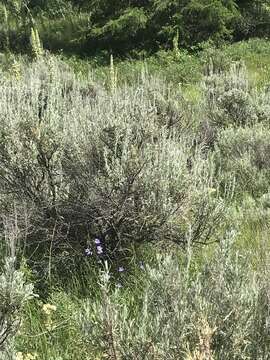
(30,356)
(19,356)
(48,308)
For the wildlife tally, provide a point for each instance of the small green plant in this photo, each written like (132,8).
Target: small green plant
(113,75)
(36,45)
(5,20)
(14,294)
(176,49)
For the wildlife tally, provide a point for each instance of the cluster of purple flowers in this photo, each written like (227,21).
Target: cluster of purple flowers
(100,251)
(99,248)
(88,252)
(120,269)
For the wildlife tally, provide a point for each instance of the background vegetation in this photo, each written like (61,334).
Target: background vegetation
(138,27)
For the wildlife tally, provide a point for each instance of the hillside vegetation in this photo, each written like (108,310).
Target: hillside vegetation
(134,183)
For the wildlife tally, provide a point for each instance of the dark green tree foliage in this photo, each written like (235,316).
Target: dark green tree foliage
(153,24)
(124,25)
(208,19)
(254,19)
(122,31)
(195,20)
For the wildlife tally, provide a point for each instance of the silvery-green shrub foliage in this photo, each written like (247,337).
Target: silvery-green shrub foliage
(113,164)
(216,310)
(238,116)
(263,106)
(229,98)
(14,293)
(243,154)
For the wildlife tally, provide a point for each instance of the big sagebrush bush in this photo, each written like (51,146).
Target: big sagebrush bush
(230,99)
(116,165)
(243,154)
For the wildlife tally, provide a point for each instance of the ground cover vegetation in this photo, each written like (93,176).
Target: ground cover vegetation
(134,190)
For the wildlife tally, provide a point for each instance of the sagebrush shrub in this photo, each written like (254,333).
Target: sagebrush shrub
(263,106)
(229,99)
(14,293)
(118,165)
(215,311)
(242,154)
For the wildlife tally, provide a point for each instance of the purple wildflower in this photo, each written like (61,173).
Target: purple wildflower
(88,252)
(121,269)
(97,241)
(99,250)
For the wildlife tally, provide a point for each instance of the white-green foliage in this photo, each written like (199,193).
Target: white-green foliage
(115,160)
(263,106)
(230,99)
(14,293)
(137,168)
(243,154)
(238,116)
(33,120)
(220,311)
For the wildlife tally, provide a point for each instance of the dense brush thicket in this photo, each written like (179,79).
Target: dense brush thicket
(91,174)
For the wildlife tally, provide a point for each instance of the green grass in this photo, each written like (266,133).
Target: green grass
(186,70)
